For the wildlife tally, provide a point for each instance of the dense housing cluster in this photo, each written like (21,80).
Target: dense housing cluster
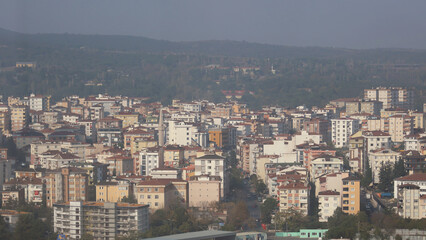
(86,156)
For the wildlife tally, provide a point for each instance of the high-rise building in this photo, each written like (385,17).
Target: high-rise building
(105,221)
(66,184)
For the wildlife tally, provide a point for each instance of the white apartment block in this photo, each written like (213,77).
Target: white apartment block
(192,107)
(409,201)
(342,129)
(325,165)
(381,157)
(376,140)
(400,126)
(328,202)
(418,179)
(36,102)
(213,165)
(106,221)
(184,134)
(148,160)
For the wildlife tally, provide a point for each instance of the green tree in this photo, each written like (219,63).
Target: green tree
(4,229)
(130,199)
(386,178)
(399,169)
(237,216)
(29,227)
(267,209)
(367,177)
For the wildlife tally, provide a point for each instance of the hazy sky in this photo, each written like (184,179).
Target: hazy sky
(334,23)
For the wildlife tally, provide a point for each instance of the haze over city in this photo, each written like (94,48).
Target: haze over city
(347,24)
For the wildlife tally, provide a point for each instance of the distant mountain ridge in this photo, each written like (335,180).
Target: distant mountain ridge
(143,44)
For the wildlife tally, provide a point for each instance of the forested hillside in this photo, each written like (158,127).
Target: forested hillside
(162,70)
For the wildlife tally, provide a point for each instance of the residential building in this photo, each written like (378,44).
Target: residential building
(204,190)
(148,160)
(113,191)
(186,134)
(325,165)
(295,196)
(213,165)
(33,188)
(417,179)
(66,184)
(106,221)
(409,201)
(161,193)
(328,201)
(351,193)
(19,116)
(342,129)
(381,157)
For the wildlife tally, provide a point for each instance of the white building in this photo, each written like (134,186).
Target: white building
(328,202)
(213,165)
(381,157)
(411,142)
(184,134)
(418,179)
(148,160)
(342,129)
(105,221)
(325,165)
(36,102)
(376,140)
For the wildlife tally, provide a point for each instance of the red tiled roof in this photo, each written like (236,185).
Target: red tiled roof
(413,177)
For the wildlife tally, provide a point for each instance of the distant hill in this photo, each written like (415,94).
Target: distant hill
(164,70)
(142,44)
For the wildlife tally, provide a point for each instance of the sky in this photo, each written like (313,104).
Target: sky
(326,23)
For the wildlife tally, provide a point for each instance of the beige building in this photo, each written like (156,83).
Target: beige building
(161,193)
(19,116)
(400,126)
(173,156)
(294,195)
(204,190)
(381,157)
(4,121)
(409,201)
(103,221)
(129,119)
(66,184)
(113,191)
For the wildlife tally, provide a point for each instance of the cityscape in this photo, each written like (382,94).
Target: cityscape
(212,120)
(113,167)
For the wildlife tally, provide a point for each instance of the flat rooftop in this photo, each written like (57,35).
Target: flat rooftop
(209,234)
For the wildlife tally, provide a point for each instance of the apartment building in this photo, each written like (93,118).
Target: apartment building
(128,118)
(295,196)
(173,156)
(213,165)
(19,117)
(66,184)
(104,221)
(417,179)
(203,191)
(223,137)
(186,134)
(380,157)
(400,126)
(342,129)
(351,192)
(4,121)
(328,201)
(325,165)
(113,191)
(33,188)
(391,97)
(409,201)
(148,160)
(162,193)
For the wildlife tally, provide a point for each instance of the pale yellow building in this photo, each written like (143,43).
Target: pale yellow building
(19,117)
(113,191)
(161,193)
(203,191)
(351,195)
(128,118)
